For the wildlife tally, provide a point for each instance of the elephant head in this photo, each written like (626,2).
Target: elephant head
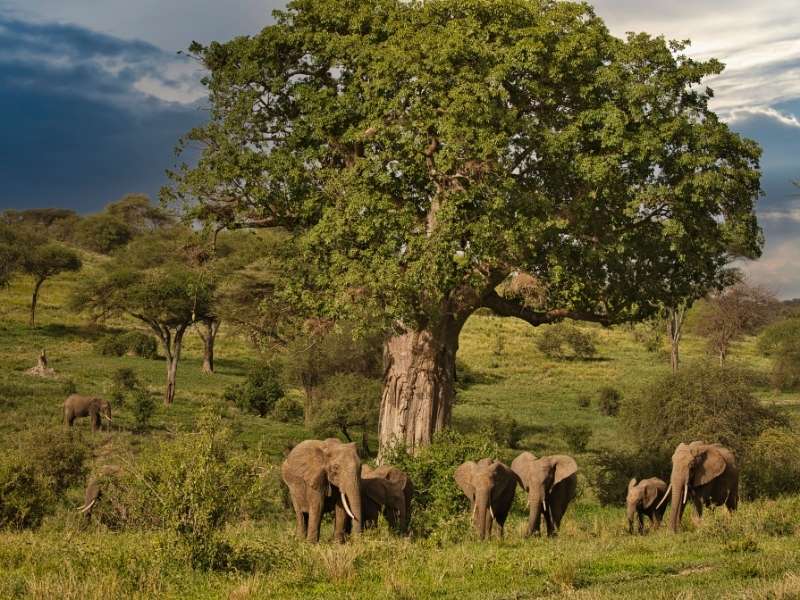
(390,488)
(486,483)
(342,468)
(693,465)
(640,498)
(104,409)
(539,476)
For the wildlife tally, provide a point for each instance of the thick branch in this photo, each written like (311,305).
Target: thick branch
(506,307)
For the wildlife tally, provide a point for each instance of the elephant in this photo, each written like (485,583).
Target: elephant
(94,489)
(550,482)
(324,476)
(390,488)
(490,486)
(86,406)
(644,499)
(706,473)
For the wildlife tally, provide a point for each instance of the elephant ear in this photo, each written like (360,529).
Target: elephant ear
(375,489)
(631,484)
(312,470)
(649,495)
(710,467)
(366,470)
(463,477)
(565,467)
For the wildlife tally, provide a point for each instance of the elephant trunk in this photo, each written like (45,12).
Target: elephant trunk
(482,500)
(538,507)
(632,507)
(680,489)
(351,499)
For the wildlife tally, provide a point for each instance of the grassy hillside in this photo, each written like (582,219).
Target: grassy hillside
(751,554)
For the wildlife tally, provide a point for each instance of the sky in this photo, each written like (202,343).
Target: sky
(93,95)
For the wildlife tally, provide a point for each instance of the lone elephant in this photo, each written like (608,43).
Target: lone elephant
(644,499)
(490,486)
(550,482)
(323,476)
(86,406)
(95,488)
(705,473)
(386,489)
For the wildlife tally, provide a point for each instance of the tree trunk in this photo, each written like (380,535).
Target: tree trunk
(210,335)
(418,389)
(173,353)
(675,318)
(34,300)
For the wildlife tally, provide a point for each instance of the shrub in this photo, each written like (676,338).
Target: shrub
(24,499)
(122,380)
(288,410)
(258,393)
(143,408)
(608,401)
(343,402)
(785,374)
(773,464)
(139,344)
(611,470)
(503,430)
(563,340)
(650,334)
(437,499)
(780,337)
(110,345)
(700,402)
(576,436)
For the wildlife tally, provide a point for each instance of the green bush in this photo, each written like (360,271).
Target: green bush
(123,380)
(139,344)
(700,402)
(780,337)
(259,392)
(24,497)
(610,471)
(503,430)
(110,345)
(608,401)
(143,408)
(577,437)
(785,374)
(773,464)
(438,503)
(564,340)
(288,410)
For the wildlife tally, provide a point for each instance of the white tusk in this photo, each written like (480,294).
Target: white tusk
(666,495)
(492,513)
(347,508)
(685,491)
(107,418)
(85,508)
(544,504)
(474,509)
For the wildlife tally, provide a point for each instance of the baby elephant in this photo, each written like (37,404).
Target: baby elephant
(86,406)
(644,498)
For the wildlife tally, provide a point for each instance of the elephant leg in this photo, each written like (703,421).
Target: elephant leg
(698,509)
(301,518)
(314,518)
(339,524)
(732,501)
(641,523)
(550,519)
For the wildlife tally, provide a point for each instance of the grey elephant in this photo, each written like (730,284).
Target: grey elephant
(705,473)
(95,487)
(551,482)
(644,499)
(490,485)
(388,490)
(324,476)
(86,406)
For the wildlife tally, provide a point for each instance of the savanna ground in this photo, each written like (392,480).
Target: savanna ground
(752,554)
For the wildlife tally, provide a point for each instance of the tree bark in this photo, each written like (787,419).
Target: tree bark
(172,351)
(675,318)
(34,300)
(418,388)
(210,335)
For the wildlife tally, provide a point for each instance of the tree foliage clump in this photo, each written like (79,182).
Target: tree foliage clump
(344,402)
(781,342)
(259,392)
(564,340)
(773,464)
(608,401)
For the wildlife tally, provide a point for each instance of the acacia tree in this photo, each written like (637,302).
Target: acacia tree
(422,153)
(153,280)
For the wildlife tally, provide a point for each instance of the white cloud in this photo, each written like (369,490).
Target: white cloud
(777,269)
(738,114)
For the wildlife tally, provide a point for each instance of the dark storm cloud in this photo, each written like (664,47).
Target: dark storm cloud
(82,123)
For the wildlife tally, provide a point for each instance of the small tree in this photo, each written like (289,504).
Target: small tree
(103,233)
(9,254)
(724,317)
(43,260)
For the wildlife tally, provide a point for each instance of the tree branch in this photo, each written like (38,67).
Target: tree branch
(506,307)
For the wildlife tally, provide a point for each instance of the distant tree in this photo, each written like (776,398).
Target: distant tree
(724,317)
(140,213)
(103,233)
(422,153)
(156,281)
(42,260)
(9,254)
(57,223)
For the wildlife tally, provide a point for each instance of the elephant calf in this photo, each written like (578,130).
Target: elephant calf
(644,499)
(490,487)
(386,490)
(86,406)
(551,482)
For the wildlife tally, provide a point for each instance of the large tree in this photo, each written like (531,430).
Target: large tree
(423,153)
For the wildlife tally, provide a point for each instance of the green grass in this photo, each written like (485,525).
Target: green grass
(752,554)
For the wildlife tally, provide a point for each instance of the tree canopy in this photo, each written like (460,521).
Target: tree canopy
(423,153)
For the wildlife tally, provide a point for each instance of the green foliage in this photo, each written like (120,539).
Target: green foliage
(612,469)
(24,499)
(437,498)
(410,123)
(700,402)
(103,233)
(288,410)
(773,464)
(143,407)
(345,401)
(504,430)
(139,344)
(125,378)
(259,392)
(781,342)
(577,437)
(110,344)
(564,340)
(608,401)
(649,333)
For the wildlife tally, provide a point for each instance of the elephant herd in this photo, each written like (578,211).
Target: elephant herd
(327,476)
